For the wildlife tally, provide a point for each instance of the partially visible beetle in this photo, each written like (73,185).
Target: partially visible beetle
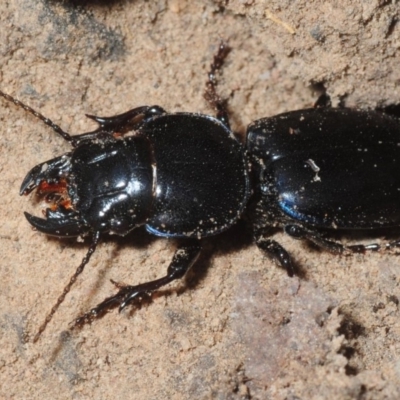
(187,177)
(325,169)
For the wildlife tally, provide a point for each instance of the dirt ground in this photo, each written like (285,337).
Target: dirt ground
(237,327)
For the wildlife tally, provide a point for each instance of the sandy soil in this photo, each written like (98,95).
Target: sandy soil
(237,327)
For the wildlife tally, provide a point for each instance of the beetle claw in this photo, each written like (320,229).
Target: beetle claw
(31,180)
(126,295)
(50,171)
(61,223)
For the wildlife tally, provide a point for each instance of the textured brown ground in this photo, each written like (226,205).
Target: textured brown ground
(241,329)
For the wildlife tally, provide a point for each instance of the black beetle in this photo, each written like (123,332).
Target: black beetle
(181,175)
(323,170)
(186,176)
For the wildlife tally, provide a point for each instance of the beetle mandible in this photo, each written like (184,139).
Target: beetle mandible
(186,176)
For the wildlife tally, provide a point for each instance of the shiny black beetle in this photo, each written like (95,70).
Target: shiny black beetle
(186,176)
(181,175)
(323,170)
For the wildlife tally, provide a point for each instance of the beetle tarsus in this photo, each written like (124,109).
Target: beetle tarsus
(184,257)
(361,248)
(394,244)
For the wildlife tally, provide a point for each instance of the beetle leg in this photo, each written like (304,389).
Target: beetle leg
(300,233)
(274,250)
(267,218)
(118,124)
(361,248)
(323,101)
(396,243)
(184,257)
(210,94)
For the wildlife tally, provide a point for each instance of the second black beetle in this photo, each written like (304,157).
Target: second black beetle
(323,170)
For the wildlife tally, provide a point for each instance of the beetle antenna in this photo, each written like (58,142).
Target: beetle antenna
(79,270)
(66,136)
(210,94)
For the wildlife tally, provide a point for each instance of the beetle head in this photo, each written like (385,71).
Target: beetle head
(104,186)
(51,181)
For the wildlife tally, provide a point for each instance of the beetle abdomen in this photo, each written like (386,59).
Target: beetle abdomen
(330,168)
(320,129)
(343,189)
